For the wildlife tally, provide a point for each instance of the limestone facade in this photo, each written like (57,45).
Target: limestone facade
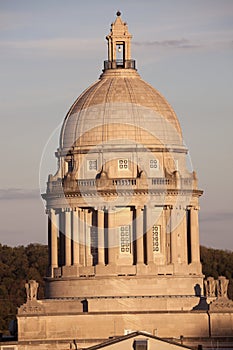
(123,202)
(123,230)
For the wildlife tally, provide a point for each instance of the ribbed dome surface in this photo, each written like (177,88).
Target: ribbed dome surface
(117,106)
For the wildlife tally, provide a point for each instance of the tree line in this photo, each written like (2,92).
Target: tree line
(19,264)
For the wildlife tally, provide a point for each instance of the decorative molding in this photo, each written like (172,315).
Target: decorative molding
(221,304)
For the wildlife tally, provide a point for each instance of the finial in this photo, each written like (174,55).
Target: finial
(118,13)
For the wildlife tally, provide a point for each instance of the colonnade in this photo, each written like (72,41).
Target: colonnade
(89,237)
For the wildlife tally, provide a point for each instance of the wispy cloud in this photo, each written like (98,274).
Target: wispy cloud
(18,193)
(174,43)
(53,45)
(185,44)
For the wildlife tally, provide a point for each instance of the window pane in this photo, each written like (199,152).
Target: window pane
(156,238)
(125,246)
(123,164)
(92,164)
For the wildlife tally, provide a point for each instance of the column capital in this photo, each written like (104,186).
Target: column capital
(75,209)
(139,207)
(193,207)
(100,207)
(149,206)
(51,211)
(111,208)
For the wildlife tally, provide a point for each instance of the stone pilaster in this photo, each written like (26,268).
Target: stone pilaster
(139,235)
(195,246)
(52,241)
(168,209)
(112,241)
(174,247)
(149,246)
(184,236)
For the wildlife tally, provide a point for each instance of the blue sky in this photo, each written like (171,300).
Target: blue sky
(50,51)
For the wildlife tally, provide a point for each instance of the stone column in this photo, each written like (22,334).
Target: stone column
(111,237)
(82,238)
(52,240)
(195,246)
(168,233)
(67,238)
(163,236)
(100,226)
(184,236)
(173,213)
(149,241)
(75,236)
(88,220)
(61,238)
(139,235)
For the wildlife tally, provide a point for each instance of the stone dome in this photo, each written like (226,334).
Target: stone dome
(123,200)
(120,105)
(120,108)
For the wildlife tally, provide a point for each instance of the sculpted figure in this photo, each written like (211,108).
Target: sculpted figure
(222,285)
(210,285)
(31,289)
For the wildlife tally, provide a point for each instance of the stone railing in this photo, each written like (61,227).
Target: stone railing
(131,183)
(119,64)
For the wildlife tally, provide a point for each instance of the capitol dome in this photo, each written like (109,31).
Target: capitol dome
(122,187)
(120,105)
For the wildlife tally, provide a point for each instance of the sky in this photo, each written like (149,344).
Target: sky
(51,50)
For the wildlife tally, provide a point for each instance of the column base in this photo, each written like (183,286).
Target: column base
(86,271)
(68,271)
(50,270)
(140,268)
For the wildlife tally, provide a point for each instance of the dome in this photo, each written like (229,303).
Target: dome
(120,105)
(123,197)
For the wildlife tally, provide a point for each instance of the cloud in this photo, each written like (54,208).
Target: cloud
(186,44)
(53,45)
(18,193)
(173,43)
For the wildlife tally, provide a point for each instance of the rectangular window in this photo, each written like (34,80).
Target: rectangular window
(156,238)
(92,164)
(70,166)
(94,244)
(140,344)
(154,164)
(123,164)
(125,239)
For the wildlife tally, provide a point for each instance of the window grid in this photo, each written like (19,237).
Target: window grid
(123,164)
(92,164)
(125,246)
(154,164)
(156,238)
